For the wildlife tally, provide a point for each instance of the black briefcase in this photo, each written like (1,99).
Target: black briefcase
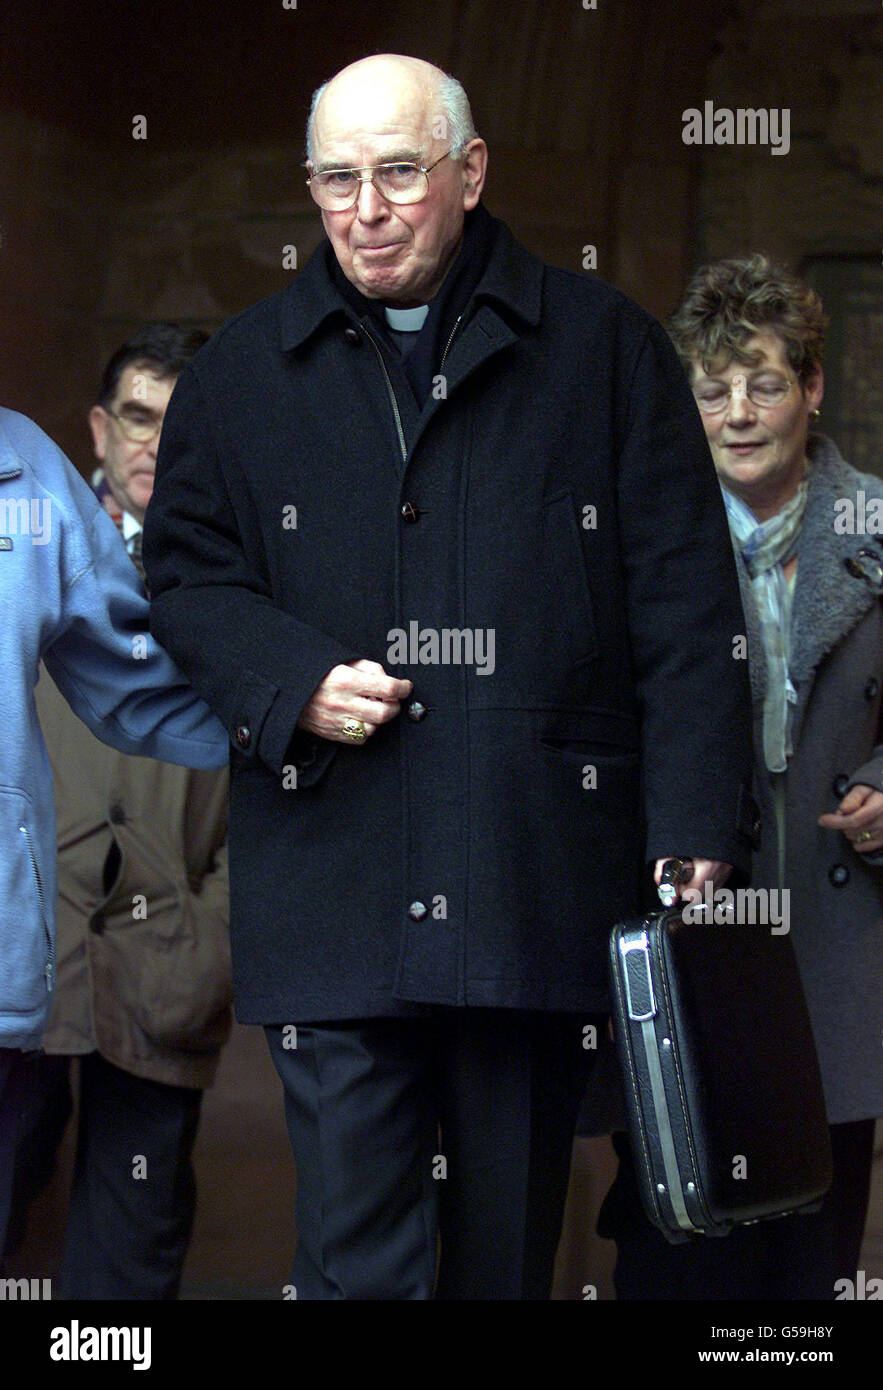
(722,1087)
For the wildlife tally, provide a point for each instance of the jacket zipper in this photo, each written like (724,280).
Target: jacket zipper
(392,397)
(389,386)
(49,968)
(450,340)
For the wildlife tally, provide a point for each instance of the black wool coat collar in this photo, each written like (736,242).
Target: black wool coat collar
(513,281)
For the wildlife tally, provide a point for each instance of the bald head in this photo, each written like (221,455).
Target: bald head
(423,84)
(390,109)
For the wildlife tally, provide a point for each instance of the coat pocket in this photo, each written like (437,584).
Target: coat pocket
(592,759)
(185,990)
(27,949)
(570,612)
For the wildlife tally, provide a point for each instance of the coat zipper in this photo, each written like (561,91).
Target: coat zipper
(450,340)
(392,397)
(49,967)
(389,386)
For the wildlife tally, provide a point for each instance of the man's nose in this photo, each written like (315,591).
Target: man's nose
(369,204)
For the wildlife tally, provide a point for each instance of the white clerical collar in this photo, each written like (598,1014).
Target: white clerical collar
(406,320)
(131,526)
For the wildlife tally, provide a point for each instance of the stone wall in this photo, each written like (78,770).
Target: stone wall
(822,61)
(52,264)
(582,109)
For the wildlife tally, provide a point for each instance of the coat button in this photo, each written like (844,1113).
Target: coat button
(408,512)
(871,688)
(117,814)
(243,736)
(353,336)
(840,785)
(416,711)
(838,874)
(417,911)
(96,923)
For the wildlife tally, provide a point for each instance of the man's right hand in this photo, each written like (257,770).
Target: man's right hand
(357,690)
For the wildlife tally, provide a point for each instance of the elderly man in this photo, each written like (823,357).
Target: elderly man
(436,532)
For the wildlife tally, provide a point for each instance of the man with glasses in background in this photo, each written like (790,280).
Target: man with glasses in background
(426,535)
(126,421)
(143,987)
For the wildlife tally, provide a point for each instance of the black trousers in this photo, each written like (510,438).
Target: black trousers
(133,1195)
(790,1257)
(409,1134)
(16,1082)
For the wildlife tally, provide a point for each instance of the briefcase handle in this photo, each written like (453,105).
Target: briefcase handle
(674,872)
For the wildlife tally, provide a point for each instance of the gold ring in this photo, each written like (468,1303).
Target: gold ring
(354,729)
(865,835)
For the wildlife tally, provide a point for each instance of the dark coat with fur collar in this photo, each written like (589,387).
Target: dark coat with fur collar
(836,894)
(613,633)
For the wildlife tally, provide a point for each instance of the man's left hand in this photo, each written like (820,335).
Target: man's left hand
(860,817)
(713,871)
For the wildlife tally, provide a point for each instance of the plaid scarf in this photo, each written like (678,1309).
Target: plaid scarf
(766,547)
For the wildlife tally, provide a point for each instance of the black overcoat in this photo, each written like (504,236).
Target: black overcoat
(556,491)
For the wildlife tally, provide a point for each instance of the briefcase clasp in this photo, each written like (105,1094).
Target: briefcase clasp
(640,999)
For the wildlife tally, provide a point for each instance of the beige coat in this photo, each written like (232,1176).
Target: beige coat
(143,969)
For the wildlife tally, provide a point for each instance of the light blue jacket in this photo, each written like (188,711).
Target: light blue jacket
(69,594)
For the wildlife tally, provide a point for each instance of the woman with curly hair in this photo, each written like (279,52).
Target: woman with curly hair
(751,336)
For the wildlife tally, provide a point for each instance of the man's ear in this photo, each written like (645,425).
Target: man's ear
(473,165)
(99,422)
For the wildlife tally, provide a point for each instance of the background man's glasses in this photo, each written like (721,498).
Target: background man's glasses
(715,397)
(138,431)
(336,190)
